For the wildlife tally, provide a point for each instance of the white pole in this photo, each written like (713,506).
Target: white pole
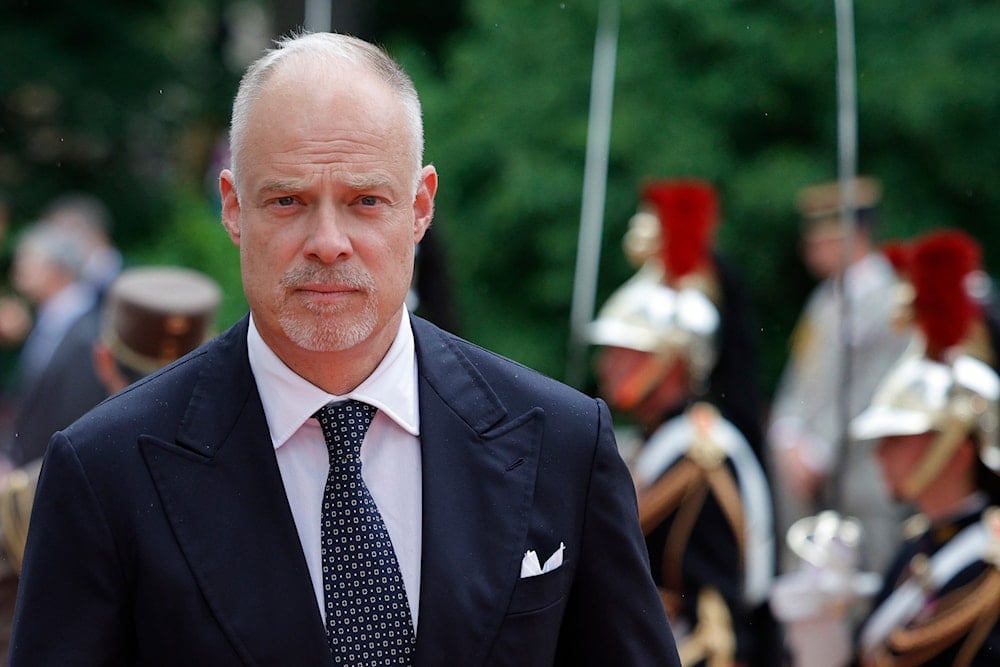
(847,167)
(595,177)
(318,15)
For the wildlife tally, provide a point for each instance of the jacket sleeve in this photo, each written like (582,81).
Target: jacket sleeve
(614,615)
(70,606)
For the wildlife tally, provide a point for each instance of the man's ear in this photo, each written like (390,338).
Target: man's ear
(230,205)
(423,202)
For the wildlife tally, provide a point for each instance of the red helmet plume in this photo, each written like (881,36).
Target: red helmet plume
(940,270)
(688,211)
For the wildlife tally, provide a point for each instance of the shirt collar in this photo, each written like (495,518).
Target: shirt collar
(289,399)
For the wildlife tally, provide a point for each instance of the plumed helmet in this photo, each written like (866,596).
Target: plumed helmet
(920,395)
(667,307)
(677,220)
(943,383)
(646,315)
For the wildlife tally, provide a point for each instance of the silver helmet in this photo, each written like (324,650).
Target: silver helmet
(956,399)
(646,315)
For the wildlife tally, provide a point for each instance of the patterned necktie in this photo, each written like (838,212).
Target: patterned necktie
(367,614)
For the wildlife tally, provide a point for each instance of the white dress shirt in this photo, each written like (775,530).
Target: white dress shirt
(390,454)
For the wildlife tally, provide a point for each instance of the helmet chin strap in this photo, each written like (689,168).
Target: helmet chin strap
(642,381)
(942,448)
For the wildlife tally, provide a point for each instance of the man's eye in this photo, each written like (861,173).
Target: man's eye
(285,201)
(369,201)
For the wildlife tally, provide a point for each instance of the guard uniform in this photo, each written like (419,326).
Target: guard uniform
(704,502)
(940,604)
(832,371)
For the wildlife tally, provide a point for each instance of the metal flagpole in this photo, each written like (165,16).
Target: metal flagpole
(318,15)
(595,178)
(847,166)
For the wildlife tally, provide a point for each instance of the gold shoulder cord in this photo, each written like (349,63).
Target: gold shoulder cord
(683,489)
(712,639)
(970,611)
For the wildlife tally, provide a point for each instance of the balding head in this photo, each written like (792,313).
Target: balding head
(334,55)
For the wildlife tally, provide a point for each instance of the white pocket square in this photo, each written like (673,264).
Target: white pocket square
(531,568)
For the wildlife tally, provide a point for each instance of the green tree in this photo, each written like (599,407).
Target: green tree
(742,93)
(108,97)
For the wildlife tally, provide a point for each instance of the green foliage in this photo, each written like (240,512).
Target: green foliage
(105,97)
(742,93)
(195,238)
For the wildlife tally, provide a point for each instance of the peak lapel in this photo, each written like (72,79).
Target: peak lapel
(222,491)
(479,466)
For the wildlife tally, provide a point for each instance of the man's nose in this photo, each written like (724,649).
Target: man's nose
(329,239)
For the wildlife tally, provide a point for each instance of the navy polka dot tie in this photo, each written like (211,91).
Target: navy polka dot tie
(368,618)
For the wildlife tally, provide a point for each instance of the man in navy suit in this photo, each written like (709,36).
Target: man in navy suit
(180,522)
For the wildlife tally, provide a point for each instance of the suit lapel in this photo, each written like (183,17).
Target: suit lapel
(479,466)
(222,490)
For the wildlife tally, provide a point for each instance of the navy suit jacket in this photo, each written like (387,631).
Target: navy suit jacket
(161,534)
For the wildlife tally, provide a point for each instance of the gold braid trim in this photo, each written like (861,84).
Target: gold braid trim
(680,534)
(684,489)
(728,494)
(712,640)
(965,610)
(659,500)
(722,486)
(984,624)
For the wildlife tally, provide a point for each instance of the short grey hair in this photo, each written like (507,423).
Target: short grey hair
(332,48)
(62,247)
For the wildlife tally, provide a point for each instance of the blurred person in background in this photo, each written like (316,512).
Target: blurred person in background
(65,268)
(936,418)
(151,316)
(48,391)
(88,218)
(704,502)
(833,368)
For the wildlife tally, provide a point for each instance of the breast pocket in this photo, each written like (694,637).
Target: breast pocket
(529,635)
(542,591)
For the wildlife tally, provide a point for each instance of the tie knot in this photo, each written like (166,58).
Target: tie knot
(344,426)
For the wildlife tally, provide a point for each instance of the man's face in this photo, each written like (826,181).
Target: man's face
(823,251)
(898,457)
(35,276)
(642,384)
(327,215)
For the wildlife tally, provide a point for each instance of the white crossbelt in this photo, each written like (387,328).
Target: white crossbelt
(672,440)
(905,602)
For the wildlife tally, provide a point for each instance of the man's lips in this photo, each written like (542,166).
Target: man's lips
(323,293)
(326,289)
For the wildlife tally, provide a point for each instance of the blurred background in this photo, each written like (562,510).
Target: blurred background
(130,101)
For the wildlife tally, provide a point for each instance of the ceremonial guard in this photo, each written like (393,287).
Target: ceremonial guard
(842,346)
(704,502)
(935,417)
